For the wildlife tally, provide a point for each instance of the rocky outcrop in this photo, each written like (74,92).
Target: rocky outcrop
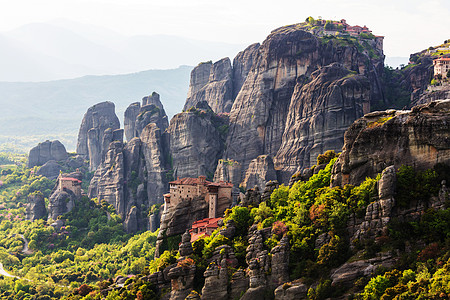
(129,120)
(280,263)
(50,169)
(46,151)
(133,176)
(120,181)
(217,90)
(36,207)
(252,197)
(242,65)
(273,93)
(176,220)
(418,137)
(228,171)
(260,171)
(61,202)
(92,142)
(196,141)
(182,281)
(295,290)
(185,248)
(415,79)
(156,164)
(438,93)
(216,282)
(319,114)
(346,274)
(137,117)
(131,220)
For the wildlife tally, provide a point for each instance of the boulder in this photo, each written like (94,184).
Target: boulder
(36,207)
(46,151)
(50,169)
(295,290)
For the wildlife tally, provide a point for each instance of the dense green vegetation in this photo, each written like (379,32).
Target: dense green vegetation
(91,246)
(84,256)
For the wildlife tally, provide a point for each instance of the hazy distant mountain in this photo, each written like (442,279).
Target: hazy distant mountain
(65,49)
(55,109)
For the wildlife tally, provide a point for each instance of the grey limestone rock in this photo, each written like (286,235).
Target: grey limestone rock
(155,151)
(418,137)
(131,221)
(50,169)
(260,171)
(242,65)
(36,207)
(229,171)
(217,90)
(129,120)
(319,114)
(46,151)
(61,202)
(216,282)
(91,143)
(185,248)
(196,141)
(295,290)
(267,105)
(280,263)
(182,281)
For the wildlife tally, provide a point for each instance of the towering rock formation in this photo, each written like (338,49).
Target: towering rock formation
(129,120)
(217,90)
(156,164)
(319,114)
(133,176)
(92,140)
(36,206)
(46,151)
(273,90)
(137,117)
(242,65)
(196,141)
(418,137)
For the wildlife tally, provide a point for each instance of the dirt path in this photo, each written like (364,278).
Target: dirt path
(25,249)
(4,273)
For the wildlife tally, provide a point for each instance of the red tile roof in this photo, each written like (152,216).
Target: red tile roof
(70,179)
(208,222)
(221,184)
(443,59)
(188,181)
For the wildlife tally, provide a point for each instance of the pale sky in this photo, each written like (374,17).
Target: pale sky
(408,25)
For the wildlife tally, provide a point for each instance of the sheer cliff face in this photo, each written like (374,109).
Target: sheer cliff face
(242,64)
(91,142)
(418,137)
(216,88)
(272,98)
(319,114)
(196,141)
